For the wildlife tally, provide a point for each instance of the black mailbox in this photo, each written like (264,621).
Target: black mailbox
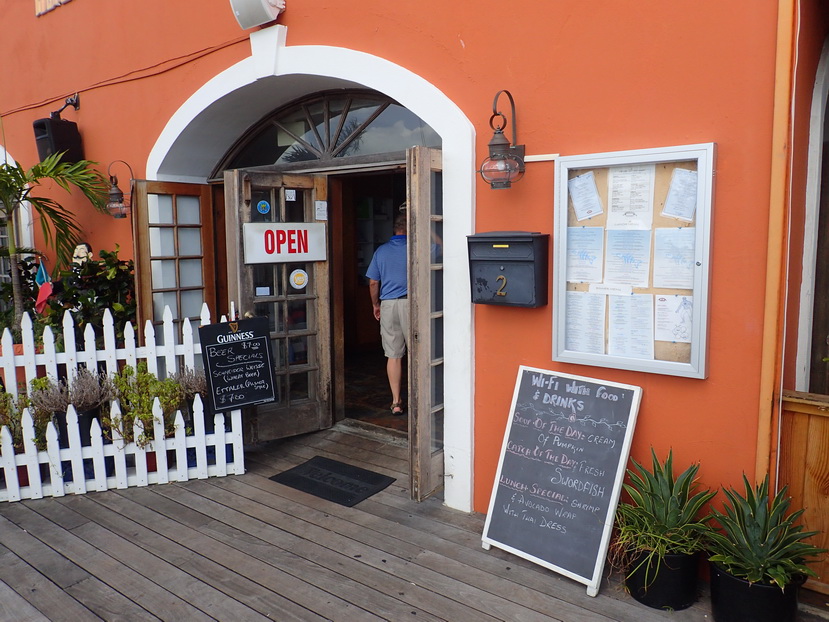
(508,268)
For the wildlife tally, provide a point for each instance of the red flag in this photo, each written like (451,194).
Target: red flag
(42,295)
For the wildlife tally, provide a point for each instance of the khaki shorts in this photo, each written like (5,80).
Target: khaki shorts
(394,327)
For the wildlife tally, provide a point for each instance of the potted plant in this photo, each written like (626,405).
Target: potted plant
(136,390)
(11,416)
(87,392)
(49,399)
(192,382)
(659,534)
(11,411)
(758,558)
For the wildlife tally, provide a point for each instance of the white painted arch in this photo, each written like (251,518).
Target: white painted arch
(211,120)
(817,128)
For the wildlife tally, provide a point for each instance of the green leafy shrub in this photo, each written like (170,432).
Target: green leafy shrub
(135,390)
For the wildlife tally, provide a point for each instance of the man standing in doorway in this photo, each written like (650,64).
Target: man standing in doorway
(388,286)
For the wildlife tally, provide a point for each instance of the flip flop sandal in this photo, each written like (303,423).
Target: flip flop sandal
(397,408)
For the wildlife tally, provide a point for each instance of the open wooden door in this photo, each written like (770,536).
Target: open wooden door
(292,294)
(426,369)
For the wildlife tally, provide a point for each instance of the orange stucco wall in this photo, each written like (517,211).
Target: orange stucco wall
(586,77)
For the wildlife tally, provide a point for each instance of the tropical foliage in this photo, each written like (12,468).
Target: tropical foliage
(760,541)
(663,514)
(60,230)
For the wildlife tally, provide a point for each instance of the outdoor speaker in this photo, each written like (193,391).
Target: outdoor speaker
(251,13)
(56,135)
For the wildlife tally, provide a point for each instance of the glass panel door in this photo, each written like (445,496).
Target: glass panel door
(174,259)
(426,369)
(292,295)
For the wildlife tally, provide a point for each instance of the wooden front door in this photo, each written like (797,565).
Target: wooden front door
(294,296)
(426,369)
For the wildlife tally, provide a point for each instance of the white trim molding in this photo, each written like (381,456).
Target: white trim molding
(817,124)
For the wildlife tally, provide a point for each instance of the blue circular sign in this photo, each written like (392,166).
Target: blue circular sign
(263,207)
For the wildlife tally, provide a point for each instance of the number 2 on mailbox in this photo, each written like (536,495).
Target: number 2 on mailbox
(503,280)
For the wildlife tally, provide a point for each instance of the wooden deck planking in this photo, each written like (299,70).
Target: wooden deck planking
(235,575)
(572,603)
(246,548)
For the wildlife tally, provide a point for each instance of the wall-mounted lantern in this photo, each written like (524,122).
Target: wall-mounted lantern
(505,163)
(117,204)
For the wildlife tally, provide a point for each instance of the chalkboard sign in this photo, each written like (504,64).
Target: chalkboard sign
(238,364)
(562,464)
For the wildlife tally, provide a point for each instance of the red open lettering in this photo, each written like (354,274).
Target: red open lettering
(281,236)
(296,241)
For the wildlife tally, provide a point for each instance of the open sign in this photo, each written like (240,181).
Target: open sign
(283,242)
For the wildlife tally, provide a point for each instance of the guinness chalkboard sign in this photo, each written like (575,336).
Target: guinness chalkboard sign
(238,363)
(562,464)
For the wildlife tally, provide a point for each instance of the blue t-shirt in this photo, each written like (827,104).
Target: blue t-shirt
(389,267)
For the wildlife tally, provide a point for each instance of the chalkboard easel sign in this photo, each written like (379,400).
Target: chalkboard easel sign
(561,469)
(238,364)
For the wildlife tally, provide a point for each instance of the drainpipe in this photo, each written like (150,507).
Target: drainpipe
(773,317)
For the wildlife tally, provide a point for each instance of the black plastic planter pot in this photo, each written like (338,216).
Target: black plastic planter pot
(669,584)
(736,600)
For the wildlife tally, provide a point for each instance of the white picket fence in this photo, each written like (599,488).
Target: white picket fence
(103,465)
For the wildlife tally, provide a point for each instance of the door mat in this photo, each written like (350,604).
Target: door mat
(334,481)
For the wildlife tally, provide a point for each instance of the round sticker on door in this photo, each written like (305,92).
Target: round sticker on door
(263,207)
(298,279)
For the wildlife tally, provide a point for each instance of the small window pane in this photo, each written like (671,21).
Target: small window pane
(262,208)
(190,273)
(191,301)
(437,384)
(437,193)
(436,291)
(189,212)
(162,299)
(299,386)
(189,241)
(160,209)
(437,338)
(437,430)
(162,242)
(272,311)
(297,315)
(164,273)
(295,210)
(298,351)
(263,280)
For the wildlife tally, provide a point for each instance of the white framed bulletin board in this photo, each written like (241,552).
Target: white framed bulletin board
(631,268)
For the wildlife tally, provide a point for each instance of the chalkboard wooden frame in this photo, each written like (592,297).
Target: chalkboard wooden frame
(565,448)
(244,344)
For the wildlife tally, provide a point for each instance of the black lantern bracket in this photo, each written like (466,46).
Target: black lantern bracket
(505,163)
(74,101)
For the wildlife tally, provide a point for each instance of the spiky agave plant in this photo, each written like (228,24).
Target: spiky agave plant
(760,541)
(662,516)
